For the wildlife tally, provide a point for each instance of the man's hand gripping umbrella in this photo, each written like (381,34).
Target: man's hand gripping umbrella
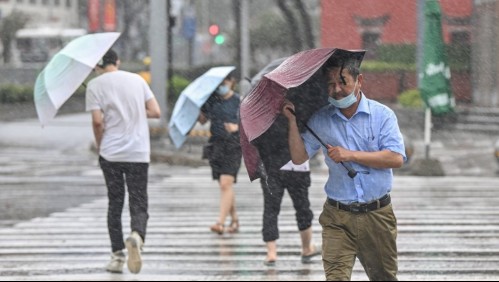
(351,172)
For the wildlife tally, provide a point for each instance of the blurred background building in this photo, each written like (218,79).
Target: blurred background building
(33,30)
(53,13)
(203,33)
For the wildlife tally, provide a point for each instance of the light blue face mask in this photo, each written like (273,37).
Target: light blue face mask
(344,102)
(222,90)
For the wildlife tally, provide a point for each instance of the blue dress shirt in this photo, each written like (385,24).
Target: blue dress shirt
(372,128)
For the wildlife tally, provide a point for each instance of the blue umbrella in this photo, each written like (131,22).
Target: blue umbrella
(186,110)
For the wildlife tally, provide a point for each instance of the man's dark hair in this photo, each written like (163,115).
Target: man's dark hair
(351,65)
(345,60)
(110,58)
(230,76)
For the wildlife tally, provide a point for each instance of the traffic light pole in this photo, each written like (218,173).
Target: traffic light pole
(245,48)
(158,51)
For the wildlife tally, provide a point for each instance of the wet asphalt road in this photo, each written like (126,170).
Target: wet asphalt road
(53,215)
(448,231)
(28,151)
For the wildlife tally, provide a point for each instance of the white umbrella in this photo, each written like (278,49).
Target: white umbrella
(67,70)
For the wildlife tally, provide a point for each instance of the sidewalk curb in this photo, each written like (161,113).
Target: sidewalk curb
(162,151)
(173,158)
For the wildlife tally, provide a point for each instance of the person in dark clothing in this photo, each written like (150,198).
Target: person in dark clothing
(225,155)
(278,174)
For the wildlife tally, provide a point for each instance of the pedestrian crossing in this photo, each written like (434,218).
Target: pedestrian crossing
(448,230)
(37,182)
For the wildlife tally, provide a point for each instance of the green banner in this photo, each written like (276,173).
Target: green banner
(435,73)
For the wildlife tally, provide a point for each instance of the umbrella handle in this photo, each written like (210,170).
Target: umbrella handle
(351,172)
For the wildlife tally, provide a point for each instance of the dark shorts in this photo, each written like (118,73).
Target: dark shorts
(225,159)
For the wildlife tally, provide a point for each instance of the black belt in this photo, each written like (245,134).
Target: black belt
(362,207)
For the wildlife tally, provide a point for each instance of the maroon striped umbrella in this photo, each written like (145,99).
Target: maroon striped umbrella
(299,79)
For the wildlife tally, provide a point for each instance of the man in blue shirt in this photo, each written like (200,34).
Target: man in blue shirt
(357,218)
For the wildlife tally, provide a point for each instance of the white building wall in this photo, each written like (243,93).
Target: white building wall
(44,13)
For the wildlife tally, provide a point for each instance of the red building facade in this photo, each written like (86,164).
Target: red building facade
(358,24)
(367,24)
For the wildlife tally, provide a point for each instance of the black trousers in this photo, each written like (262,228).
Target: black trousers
(135,176)
(273,186)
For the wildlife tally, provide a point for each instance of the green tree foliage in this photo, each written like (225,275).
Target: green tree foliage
(132,15)
(397,53)
(383,66)
(270,33)
(293,28)
(11,93)
(410,99)
(175,87)
(307,30)
(8,28)
(298,25)
(459,56)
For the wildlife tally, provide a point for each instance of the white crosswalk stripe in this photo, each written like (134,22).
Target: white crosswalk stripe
(448,227)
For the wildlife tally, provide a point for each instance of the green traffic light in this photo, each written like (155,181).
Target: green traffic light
(219,39)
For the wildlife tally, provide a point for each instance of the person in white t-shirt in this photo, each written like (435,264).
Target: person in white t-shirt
(120,103)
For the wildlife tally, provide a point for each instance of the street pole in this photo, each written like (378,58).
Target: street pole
(169,43)
(158,50)
(420,46)
(427,132)
(245,48)
(420,42)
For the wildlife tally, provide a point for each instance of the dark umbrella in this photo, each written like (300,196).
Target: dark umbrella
(299,79)
(272,145)
(268,68)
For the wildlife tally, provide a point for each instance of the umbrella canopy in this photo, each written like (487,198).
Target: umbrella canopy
(187,108)
(67,70)
(252,152)
(435,75)
(300,79)
(268,68)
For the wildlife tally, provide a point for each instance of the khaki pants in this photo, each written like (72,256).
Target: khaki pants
(369,236)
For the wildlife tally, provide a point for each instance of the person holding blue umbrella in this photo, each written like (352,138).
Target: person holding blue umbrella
(224,153)
(187,108)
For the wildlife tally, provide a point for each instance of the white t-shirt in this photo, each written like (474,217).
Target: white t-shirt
(122,97)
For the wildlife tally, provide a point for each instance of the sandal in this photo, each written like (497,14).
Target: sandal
(217,228)
(234,226)
(270,263)
(308,258)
